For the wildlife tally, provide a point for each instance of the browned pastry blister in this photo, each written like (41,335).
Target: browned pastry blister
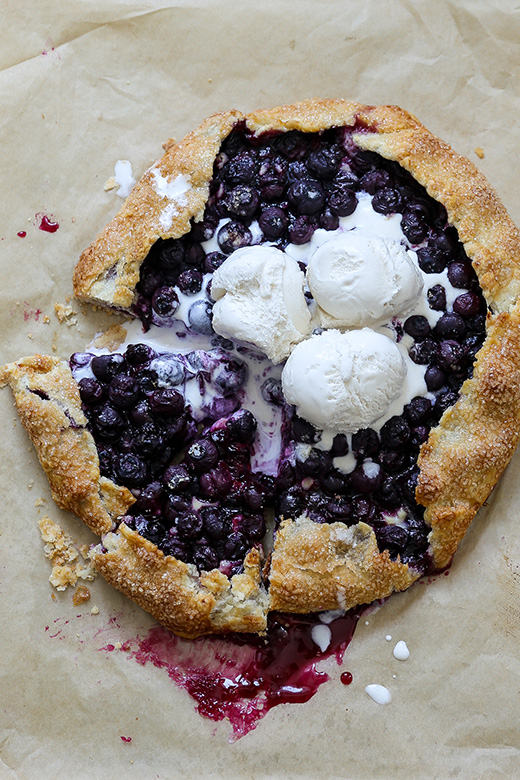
(312,566)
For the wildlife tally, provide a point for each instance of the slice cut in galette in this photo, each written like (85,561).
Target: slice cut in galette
(321,384)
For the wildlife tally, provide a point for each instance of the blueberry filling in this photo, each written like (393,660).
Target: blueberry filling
(197,495)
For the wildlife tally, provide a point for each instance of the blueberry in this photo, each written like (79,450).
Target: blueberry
(149,280)
(91,391)
(167,370)
(165,301)
(285,477)
(199,317)
(108,422)
(240,170)
(419,435)
(130,469)
(173,546)
(434,378)
(342,202)
(444,400)
(273,222)
(291,503)
(271,391)
(317,464)
(215,524)
(149,440)
(205,558)
(141,413)
(166,401)
(123,391)
(303,431)
(106,455)
(413,226)
(292,144)
(418,408)
(217,482)
(450,325)
(448,241)
(306,196)
(235,546)
(436,296)
(213,261)
(145,526)
(232,236)
(329,220)
(340,446)
(461,274)
(195,255)
(345,180)
(105,367)
(189,526)
(137,354)
(334,483)
(375,180)
(242,201)
(202,455)
(365,510)
(190,281)
(205,230)
(229,376)
(301,230)
(387,201)
(366,478)
(392,460)
(431,260)
(467,305)
(149,499)
(365,443)
(393,536)
(451,356)
(271,178)
(177,478)
(242,426)
(395,433)
(324,162)
(171,255)
(252,527)
(253,497)
(417,327)
(175,506)
(422,352)
(80,359)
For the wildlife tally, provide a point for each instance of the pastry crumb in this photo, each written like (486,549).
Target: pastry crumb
(81,594)
(111,339)
(69,561)
(94,611)
(65,313)
(30,336)
(168,144)
(46,319)
(54,345)
(479,151)
(110,184)
(30,485)
(39,502)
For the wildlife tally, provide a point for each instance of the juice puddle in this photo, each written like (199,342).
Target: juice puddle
(242,677)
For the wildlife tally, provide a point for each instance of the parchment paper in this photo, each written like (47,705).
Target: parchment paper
(85,84)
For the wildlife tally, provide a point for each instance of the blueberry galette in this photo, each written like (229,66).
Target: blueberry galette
(321,384)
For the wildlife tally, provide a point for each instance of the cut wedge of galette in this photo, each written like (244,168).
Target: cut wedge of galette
(321,384)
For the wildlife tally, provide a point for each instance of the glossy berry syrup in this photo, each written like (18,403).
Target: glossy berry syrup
(46,224)
(241,677)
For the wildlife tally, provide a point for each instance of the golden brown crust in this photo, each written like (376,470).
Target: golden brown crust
(173,592)
(467,452)
(48,402)
(329,566)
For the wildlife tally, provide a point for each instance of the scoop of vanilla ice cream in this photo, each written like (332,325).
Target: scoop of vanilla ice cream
(343,381)
(259,300)
(359,280)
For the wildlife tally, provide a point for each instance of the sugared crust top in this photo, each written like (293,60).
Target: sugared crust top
(331,566)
